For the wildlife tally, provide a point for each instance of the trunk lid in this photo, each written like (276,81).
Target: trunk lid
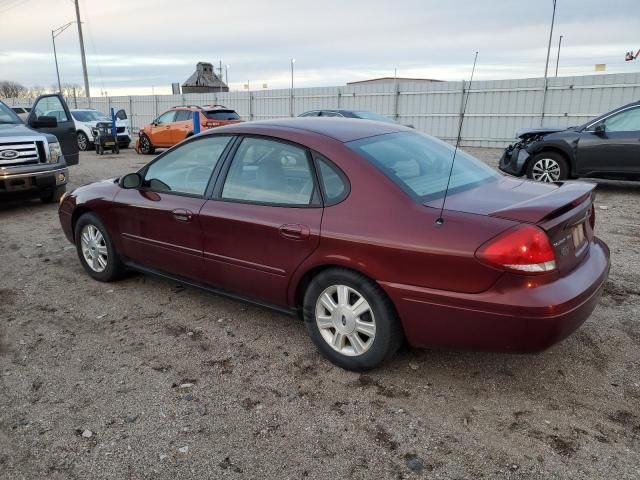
(562,211)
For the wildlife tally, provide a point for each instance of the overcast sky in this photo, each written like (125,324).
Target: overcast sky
(134,45)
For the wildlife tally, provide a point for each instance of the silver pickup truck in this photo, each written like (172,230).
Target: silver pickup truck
(34,157)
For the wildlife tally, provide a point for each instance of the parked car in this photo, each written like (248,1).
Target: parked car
(34,158)
(362,114)
(87,119)
(176,124)
(605,147)
(22,112)
(336,220)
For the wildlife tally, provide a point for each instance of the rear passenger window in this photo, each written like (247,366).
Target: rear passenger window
(184,115)
(267,171)
(333,181)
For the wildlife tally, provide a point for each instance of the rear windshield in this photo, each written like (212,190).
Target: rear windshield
(221,115)
(7,115)
(420,164)
(372,116)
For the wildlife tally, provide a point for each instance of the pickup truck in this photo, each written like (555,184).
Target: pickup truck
(34,157)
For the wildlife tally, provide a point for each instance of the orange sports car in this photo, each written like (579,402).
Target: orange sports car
(176,124)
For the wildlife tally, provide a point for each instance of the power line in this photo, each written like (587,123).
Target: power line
(16,3)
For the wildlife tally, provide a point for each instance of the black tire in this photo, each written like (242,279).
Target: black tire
(146,147)
(388,331)
(83,142)
(55,195)
(114,268)
(556,157)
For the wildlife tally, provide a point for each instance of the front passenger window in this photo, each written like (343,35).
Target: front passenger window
(166,117)
(187,168)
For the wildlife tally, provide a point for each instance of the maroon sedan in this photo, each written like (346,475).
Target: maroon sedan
(337,220)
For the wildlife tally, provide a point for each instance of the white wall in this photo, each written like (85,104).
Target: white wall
(495,110)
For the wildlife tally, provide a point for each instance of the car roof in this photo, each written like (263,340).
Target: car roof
(341,129)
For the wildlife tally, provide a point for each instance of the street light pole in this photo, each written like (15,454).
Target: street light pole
(55,57)
(226,75)
(54,34)
(558,59)
(293,60)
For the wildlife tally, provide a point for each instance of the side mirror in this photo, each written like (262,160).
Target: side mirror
(131,180)
(600,129)
(43,122)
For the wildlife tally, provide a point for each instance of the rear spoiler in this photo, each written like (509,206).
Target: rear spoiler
(569,195)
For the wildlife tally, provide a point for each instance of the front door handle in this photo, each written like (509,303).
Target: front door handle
(182,215)
(294,231)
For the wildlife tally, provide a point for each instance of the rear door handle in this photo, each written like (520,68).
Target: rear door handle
(294,231)
(182,214)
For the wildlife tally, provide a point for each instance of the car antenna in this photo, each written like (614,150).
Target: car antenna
(440,219)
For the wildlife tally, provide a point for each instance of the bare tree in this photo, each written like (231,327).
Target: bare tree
(36,91)
(11,89)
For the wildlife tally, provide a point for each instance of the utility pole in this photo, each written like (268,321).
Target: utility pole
(546,67)
(553,18)
(84,60)
(558,59)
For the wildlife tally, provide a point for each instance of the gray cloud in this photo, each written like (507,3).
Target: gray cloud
(146,42)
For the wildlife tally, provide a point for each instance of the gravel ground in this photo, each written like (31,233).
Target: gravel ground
(146,379)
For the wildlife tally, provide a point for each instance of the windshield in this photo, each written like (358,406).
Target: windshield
(221,115)
(372,116)
(7,115)
(420,164)
(89,115)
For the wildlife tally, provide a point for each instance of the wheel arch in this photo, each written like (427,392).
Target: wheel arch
(304,277)
(77,213)
(568,156)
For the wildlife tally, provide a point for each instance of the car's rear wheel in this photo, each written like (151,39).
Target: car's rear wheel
(96,251)
(146,147)
(548,167)
(83,142)
(351,320)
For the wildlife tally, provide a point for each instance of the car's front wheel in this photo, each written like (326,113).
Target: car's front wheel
(95,249)
(54,196)
(146,147)
(548,167)
(351,320)
(83,142)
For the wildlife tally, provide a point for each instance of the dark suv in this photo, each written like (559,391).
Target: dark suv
(605,147)
(34,157)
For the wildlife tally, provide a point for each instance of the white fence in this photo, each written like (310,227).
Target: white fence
(495,110)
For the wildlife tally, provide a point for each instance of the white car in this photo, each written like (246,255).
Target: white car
(86,118)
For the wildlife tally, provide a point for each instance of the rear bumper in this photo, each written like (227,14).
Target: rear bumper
(32,179)
(515,315)
(514,160)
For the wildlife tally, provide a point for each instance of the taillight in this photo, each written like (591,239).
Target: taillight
(525,249)
(592,217)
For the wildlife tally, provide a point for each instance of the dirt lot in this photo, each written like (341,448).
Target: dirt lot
(146,379)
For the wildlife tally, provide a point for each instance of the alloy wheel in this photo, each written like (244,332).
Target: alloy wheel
(345,320)
(546,170)
(145,145)
(94,248)
(83,142)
